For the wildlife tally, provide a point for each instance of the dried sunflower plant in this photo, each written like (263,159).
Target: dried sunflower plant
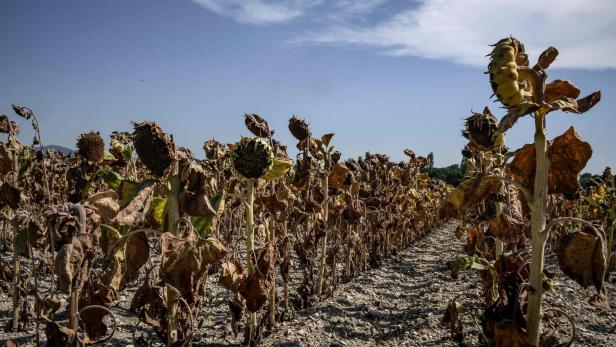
(139,217)
(505,199)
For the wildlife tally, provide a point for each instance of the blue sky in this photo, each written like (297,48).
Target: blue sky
(383,75)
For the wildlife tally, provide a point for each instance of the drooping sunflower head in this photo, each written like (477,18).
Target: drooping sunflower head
(508,54)
(252,157)
(91,147)
(299,128)
(154,147)
(257,125)
(480,128)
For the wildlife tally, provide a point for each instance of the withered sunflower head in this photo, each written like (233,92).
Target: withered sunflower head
(335,156)
(91,147)
(213,149)
(299,128)
(154,147)
(481,127)
(22,111)
(607,175)
(252,157)
(257,125)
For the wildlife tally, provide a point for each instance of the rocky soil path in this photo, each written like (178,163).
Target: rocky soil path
(402,303)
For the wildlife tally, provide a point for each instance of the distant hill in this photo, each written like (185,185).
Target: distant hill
(59,149)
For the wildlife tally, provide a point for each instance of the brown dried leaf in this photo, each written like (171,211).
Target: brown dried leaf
(272,204)
(136,209)
(508,334)
(196,204)
(568,156)
(256,286)
(558,88)
(468,194)
(326,138)
(232,275)
(587,102)
(507,228)
(125,261)
(185,261)
(547,57)
(70,258)
(46,307)
(9,195)
(338,176)
(57,335)
(452,316)
(567,104)
(581,256)
(105,204)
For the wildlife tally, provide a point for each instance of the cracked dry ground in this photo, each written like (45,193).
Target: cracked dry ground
(402,302)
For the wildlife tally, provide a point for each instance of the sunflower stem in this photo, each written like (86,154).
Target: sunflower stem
(539,237)
(173,215)
(323,263)
(250,245)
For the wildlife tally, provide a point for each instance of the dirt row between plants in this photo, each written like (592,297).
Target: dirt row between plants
(400,303)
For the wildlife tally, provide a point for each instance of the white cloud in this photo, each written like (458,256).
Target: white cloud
(460,31)
(451,30)
(258,11)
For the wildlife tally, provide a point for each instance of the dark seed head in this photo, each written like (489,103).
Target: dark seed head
(299,128)
(257,125)
(154,147)
(91,147)
(481,127)
(252,157)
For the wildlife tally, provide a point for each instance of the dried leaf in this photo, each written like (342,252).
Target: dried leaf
(567,104)
(337,178)
(507,228)
(581,256)
(232,275)
(57,335)
(468,194)
(256,286)
(547,57)
(326,138)
(196,204)
(70,259)
(558,88)
(125,261)
(9,195)
(508,334)
(568,155)
(185,261)
(136,209)
(105,204)
(452,316)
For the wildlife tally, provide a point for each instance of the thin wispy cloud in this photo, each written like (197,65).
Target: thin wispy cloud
(259,11)
(453,31)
